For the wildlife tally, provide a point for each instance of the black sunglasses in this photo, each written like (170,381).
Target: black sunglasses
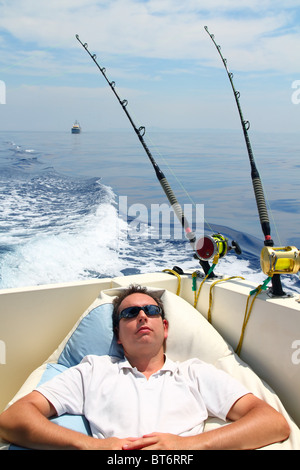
(131,312)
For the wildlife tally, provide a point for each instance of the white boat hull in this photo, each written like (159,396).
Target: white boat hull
(35,320)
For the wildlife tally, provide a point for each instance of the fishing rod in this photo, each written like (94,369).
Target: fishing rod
(140,132)
(256,180)
(206,247)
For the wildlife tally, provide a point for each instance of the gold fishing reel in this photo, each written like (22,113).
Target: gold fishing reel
(280,260)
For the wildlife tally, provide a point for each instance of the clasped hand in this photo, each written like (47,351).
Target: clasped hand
(153,441)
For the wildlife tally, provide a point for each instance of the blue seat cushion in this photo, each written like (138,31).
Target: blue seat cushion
(93,335)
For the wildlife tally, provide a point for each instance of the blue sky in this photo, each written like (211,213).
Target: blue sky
(159,55)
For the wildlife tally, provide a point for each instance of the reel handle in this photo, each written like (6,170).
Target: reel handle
(236,247)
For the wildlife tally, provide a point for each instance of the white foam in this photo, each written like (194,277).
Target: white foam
(49,243)
(90,249)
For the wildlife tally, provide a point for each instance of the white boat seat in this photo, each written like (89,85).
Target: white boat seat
(190,335)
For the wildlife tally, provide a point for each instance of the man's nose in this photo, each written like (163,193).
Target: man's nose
(142,315)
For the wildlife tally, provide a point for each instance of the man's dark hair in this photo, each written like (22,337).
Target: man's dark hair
(133,289)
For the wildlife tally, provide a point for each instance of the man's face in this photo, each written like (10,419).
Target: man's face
(142,333)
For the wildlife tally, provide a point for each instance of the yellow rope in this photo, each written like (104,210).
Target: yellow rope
(247,314)
(196,296)
(246,319)
(178,277)
(210,293)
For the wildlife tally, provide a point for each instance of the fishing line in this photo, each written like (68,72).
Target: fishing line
(256,180)
(205,247)
(176,177)
(140,132)
(161,156)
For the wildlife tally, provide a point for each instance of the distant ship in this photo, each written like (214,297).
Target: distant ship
(76,129)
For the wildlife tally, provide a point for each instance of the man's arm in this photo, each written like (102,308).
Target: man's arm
(255,424)
(26,423)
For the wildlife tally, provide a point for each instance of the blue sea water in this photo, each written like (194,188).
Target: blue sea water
(79,206)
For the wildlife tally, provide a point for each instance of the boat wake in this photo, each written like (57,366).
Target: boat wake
(55,228)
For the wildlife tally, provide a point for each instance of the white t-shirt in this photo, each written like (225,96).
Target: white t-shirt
(118,400)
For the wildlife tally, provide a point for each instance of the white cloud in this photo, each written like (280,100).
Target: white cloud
(149,46)
(170,29)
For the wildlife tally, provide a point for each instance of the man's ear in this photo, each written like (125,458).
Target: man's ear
(116,332)
(166,327)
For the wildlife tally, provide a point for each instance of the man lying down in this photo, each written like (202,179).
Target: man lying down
(144,401)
